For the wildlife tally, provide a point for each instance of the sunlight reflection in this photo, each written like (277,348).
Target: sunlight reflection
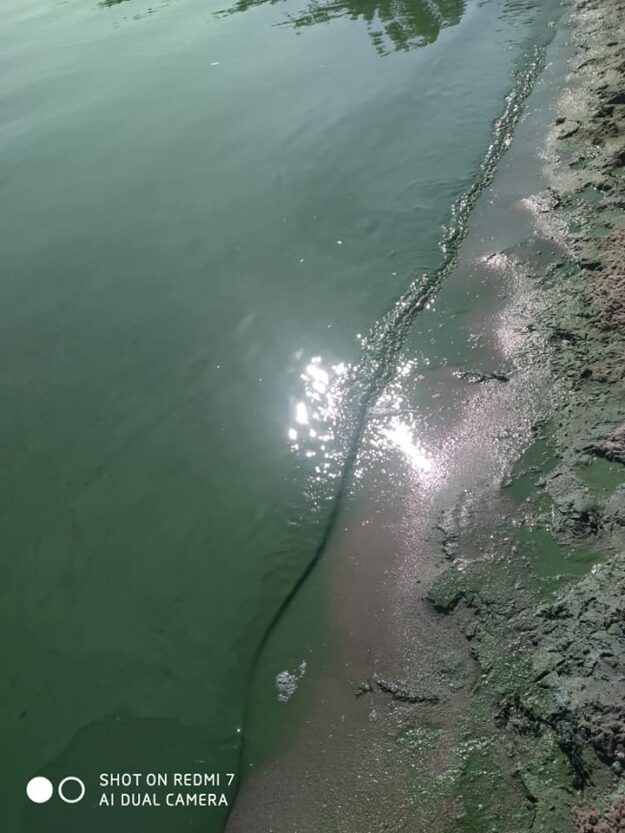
(323,414)
(315,415)
(301,413)
(397,424)
(402,437)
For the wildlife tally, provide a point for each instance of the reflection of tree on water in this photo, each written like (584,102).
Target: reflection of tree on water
(108,4)
(392,24)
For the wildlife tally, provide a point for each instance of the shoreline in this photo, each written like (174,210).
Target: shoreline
(522,725)
(399,753)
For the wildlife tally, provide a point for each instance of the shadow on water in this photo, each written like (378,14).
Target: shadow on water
(393,25)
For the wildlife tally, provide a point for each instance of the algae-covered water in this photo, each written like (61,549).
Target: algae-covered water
(206,209)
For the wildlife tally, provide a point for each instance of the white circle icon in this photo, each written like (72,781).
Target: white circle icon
(39,789)
(71,779)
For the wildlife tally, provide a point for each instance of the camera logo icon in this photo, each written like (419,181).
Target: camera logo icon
(71,789)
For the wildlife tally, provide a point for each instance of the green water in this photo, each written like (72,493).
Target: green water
(204,208)
(602,476)
(533,466)
(552,563)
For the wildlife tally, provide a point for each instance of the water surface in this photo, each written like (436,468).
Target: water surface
(205,209)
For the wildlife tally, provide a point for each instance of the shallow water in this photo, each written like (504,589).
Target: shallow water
(206,208)
(426,487)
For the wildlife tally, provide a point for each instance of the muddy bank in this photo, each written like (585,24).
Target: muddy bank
(549,643)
